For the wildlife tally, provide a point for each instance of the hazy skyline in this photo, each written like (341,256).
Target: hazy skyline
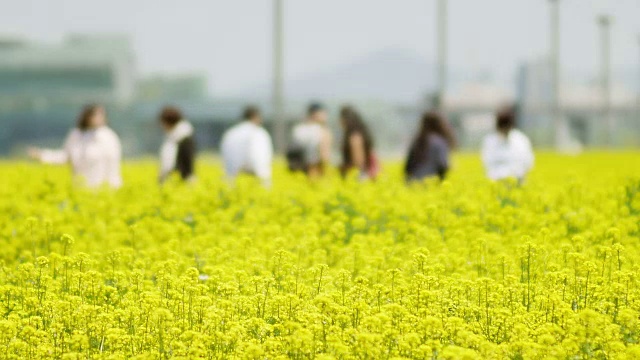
(231,40)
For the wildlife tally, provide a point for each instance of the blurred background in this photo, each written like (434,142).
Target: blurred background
(571,66)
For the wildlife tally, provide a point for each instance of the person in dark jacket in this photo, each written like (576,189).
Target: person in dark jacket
(429,152)
(178,151)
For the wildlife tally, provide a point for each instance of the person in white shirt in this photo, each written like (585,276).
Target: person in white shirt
(507,153)
(311,148)
(177,153)
(247,148)
(92,149)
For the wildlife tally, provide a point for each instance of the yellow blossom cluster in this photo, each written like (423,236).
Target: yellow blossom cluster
(331,269)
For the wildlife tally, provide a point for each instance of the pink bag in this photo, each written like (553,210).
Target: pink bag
(374,166)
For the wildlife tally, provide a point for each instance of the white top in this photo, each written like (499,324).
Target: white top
(247,147)
(308,135)
(506,157)
(94,155)
(169,150)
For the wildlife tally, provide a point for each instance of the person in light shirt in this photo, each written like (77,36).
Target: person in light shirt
(92,149)
(178,150)
(311,151)
(247,148)
(507,153)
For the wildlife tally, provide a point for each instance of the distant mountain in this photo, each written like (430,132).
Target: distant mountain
(398,75)
(393,74)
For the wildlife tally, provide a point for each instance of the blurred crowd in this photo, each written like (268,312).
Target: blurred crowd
(93,150)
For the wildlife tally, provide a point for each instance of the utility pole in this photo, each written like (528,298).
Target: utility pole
(279,122)
(441,32)
(605,75)
(559,129)
(638,115)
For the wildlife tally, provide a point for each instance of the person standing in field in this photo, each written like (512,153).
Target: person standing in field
(507,153)
(357,146)
(429,152)
(311,150)
(178,151)
(247,148)
(92,149)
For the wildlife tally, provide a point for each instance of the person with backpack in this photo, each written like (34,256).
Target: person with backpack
(311,143)
(178,151)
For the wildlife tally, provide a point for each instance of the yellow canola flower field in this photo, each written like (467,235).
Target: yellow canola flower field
(466,269)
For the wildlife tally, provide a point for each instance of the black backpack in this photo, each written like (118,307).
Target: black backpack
(296,158)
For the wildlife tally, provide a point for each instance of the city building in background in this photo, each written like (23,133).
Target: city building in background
(43,86)
(175,87)
(81,69)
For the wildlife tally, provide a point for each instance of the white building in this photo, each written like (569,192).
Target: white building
(81,69)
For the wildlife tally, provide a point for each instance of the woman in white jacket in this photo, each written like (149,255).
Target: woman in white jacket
(92,149)
(507,153)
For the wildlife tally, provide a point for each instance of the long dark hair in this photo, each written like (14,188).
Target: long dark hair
(353,124)
(432,122)
(506,119)
(170,116)
(84,120)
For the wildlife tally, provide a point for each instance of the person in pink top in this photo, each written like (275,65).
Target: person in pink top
(357,146)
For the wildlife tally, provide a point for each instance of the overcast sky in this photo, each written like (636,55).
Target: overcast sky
(231,40)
